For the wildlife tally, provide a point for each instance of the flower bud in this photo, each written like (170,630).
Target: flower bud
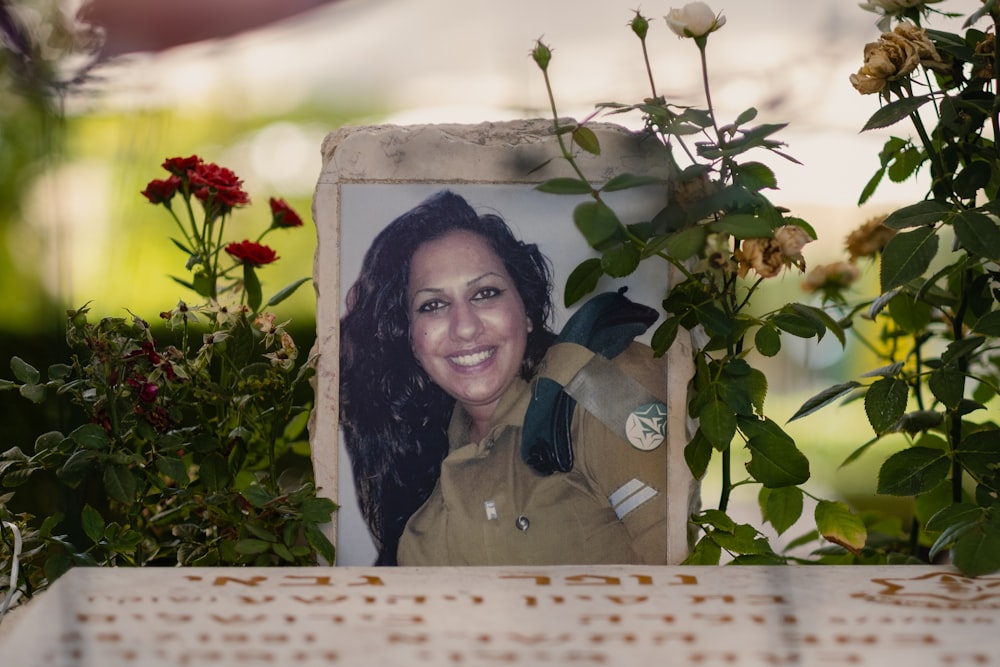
(541,55)
(639,25)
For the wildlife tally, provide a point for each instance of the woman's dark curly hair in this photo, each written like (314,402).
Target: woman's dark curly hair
(394,418)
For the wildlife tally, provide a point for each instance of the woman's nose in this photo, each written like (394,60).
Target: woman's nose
(465,322)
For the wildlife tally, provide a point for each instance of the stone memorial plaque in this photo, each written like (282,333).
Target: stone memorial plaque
(373,174)
(566,615)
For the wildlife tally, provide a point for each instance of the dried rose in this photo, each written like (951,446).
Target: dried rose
(282,214)
(695,19)
(251,252)
(832,279)
(869,239)
(761,255)
(791,240)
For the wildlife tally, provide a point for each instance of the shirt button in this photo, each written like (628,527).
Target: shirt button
(522,523)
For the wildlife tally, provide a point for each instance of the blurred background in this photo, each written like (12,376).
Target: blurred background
(95,95)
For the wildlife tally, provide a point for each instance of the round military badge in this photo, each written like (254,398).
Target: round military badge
(646,426)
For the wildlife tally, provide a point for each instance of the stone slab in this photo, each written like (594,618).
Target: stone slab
(567,615)
(372,174)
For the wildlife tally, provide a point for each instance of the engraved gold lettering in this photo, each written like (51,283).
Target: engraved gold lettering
(539,579)
(713,657)
(369,580)
(417,599)
(312,580)
(604,637)
(246,599)
(628,599)
(685,580)
(400,638)
(855,639)
(252,581)
(593,580)
(96,618)
(320,599)
(702,599)
(611,619)
(540,638)
(642,579)
(237,618)
(661,638)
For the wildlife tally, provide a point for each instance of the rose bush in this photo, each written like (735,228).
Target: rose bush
(190,450)
(939,308)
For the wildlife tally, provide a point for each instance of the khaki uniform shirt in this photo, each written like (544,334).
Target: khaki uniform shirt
(491,508)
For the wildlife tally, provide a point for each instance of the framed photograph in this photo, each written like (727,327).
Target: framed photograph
(372,175)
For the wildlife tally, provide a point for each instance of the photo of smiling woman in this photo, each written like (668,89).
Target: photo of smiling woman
(476,434)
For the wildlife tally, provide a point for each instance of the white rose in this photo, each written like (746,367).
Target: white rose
(695,19)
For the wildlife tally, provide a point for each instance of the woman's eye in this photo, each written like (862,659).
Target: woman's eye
(431,306)
(487,293)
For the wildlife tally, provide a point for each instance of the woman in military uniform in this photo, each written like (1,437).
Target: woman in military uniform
(478,436)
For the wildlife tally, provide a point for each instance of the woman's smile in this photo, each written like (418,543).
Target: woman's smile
(468,327)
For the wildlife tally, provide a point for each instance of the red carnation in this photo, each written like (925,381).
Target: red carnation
(162,191)
(180,166)
(282,214)
(212,183)
(251,252)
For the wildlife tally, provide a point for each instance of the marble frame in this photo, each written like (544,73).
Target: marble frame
(370,174)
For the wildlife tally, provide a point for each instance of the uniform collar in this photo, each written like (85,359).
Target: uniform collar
(510,413)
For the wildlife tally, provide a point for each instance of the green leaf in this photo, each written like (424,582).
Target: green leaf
(824,398)
(91,436)
(565,186)
(598,224)
(742,226)
(776,462)
(744,539)
(979,453)
(698,454)
(119,483)
(988,324)
(895,111)
(717,423)
(767,340)
(885,403)
(72,472)
(620,260)
(953,514)
(286,292)
(626,181)
(24,372)
(585,138)
(687,242)
(665,335)
(907,256)
(251,546)
(781,507)
(837,524)
(583,280)
(947,383)
(214,472)
(48,440)
(251,285)
(705,552)
(318,510)
(796,324)
(715,518)
(978,233)
(318,541)
(977,552)
(913,471)
(920,214)
(755,176)
(173,468)
(911,315)
(92,523)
